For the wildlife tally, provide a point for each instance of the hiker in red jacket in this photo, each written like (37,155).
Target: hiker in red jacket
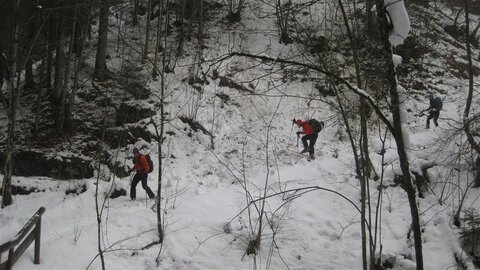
(140,165)
(310,135)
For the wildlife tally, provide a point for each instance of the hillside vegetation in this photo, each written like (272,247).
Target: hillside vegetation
(209,90)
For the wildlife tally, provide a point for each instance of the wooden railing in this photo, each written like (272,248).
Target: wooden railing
(15,253)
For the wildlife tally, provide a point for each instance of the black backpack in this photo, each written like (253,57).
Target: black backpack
(438,103)
(316,126)
(150,163)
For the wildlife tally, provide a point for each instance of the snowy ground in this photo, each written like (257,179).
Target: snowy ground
(204,196)
(319,230)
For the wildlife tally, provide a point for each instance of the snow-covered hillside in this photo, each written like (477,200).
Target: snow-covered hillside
(311,218)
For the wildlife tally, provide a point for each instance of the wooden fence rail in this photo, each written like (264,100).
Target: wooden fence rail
(23,234)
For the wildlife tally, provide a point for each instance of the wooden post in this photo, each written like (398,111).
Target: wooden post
(23,239)
(38,230)
(9,264)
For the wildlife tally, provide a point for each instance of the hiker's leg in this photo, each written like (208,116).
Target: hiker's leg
(430,116)
(133,186)
(313,140)
(146,187)
(304,142)
(435,118)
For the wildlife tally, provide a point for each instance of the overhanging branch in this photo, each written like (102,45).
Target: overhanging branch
(329,74)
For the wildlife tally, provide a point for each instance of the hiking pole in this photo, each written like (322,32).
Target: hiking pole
(291,129)
(293,123)
(131,178)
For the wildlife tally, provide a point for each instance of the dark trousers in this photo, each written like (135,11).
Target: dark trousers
(312,138)
(137,178)
(433,115)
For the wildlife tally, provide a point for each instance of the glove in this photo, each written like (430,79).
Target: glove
(298,133)
(130,171)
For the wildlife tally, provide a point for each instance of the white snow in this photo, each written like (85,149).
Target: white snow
(397,59)
(399,18)
(206,192)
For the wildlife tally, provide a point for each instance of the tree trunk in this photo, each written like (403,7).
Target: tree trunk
(407,184)
(475,31)
(181,36)
(477,172)
(147,31)
(58,91)
(135,12)
(59,62)
(369,26)
(29,81)
(198,59)
(466,121)
(160,231)
(80,42)
(101,72)
(67,100)
(50,47)
(38,105)
(362,165)
(28,47)
(11,112)
(82,25)
(158,42)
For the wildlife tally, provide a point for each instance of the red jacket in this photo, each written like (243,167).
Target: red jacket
(307,128)
(140,164)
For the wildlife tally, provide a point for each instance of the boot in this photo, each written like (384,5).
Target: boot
(312,156)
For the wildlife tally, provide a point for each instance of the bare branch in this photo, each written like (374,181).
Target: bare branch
(329,74)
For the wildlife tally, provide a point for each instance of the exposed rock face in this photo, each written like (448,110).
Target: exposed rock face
(30,163)
(118,168)
(117,193)
(227,82)
(137,90)
(132,113)
(122,136)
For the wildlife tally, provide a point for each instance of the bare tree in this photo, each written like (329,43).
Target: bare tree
(81,29)
(10,103)
(369,16)
(466,121)
(101,72)
(395,128)
(160,130)
(158,42)
(392,87)
(147,30)
(136,6)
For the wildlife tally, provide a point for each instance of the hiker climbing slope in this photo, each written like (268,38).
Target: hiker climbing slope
(310,128)
(434,109)
(142,168)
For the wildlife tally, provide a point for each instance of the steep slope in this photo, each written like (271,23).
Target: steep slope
(248,107)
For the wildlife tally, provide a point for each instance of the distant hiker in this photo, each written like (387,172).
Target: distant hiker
(310,128)
(141,166)
(436,105)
